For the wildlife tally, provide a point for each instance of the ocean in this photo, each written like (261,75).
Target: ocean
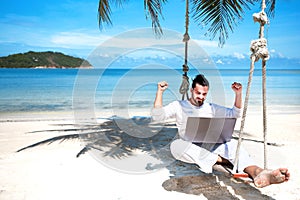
(98,90)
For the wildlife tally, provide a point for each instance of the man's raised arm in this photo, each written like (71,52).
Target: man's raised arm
(157,112)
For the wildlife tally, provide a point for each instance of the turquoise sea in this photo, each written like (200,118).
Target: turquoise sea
(63,90)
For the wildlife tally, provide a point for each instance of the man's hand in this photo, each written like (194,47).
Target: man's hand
(162,86)
(237,87)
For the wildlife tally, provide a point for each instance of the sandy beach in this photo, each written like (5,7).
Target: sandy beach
(54,172)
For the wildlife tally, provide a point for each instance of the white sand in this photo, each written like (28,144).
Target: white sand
(54,172)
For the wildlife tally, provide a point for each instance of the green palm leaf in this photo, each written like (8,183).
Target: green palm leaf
(270,7)
(104,11)
(153,9)
(220,16)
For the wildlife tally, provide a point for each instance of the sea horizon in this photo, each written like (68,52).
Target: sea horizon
(53,91)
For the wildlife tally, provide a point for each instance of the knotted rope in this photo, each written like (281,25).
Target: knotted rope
(185,79)
(184,86)
(259,51)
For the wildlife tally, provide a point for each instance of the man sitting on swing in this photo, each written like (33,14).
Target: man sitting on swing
(206,156)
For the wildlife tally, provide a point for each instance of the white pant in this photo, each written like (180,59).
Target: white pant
(206,157)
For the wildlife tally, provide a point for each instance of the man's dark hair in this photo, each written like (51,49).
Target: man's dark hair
(201,80)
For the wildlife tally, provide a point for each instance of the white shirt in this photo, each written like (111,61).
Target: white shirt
(181,110)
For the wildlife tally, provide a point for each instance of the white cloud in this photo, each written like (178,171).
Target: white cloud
(78,39)
(141,38)
(238,55)
(275,53)
(219,62)
(141,43)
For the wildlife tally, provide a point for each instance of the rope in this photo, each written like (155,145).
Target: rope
(185,79)
(184,86)
(237,153)
(264,111)
(259,51)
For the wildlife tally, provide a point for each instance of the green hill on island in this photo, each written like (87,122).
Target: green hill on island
(47,59)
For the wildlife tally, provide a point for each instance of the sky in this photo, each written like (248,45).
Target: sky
(71,27)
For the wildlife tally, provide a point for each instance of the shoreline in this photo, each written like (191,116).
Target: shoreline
(105,113)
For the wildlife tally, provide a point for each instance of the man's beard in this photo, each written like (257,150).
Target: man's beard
(197,102)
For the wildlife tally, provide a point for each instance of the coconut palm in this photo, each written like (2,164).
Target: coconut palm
(220,16)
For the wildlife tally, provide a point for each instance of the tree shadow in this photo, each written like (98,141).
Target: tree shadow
(113,141)
(110,140)
(187,178)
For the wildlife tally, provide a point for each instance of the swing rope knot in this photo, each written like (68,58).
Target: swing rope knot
(185,68)
(186,37)
(261,18)
(184,85)
(259,49)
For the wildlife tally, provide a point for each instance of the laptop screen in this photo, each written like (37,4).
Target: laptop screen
(209,130)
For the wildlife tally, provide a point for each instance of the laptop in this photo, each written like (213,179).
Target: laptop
(209,130)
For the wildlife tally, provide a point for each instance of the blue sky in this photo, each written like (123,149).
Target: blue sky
(71,27)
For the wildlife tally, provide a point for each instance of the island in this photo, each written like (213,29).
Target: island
(46,59)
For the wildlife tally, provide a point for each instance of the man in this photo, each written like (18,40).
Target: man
(205,156)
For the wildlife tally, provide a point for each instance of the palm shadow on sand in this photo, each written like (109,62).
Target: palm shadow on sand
(110,141)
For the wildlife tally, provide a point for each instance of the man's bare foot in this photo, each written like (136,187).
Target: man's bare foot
(268,177)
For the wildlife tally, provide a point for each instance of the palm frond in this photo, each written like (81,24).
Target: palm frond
(119,3)
(153,8)
(57,130)
(60,138)
(270,10)
(104,11)
(221,16)
(83,151)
